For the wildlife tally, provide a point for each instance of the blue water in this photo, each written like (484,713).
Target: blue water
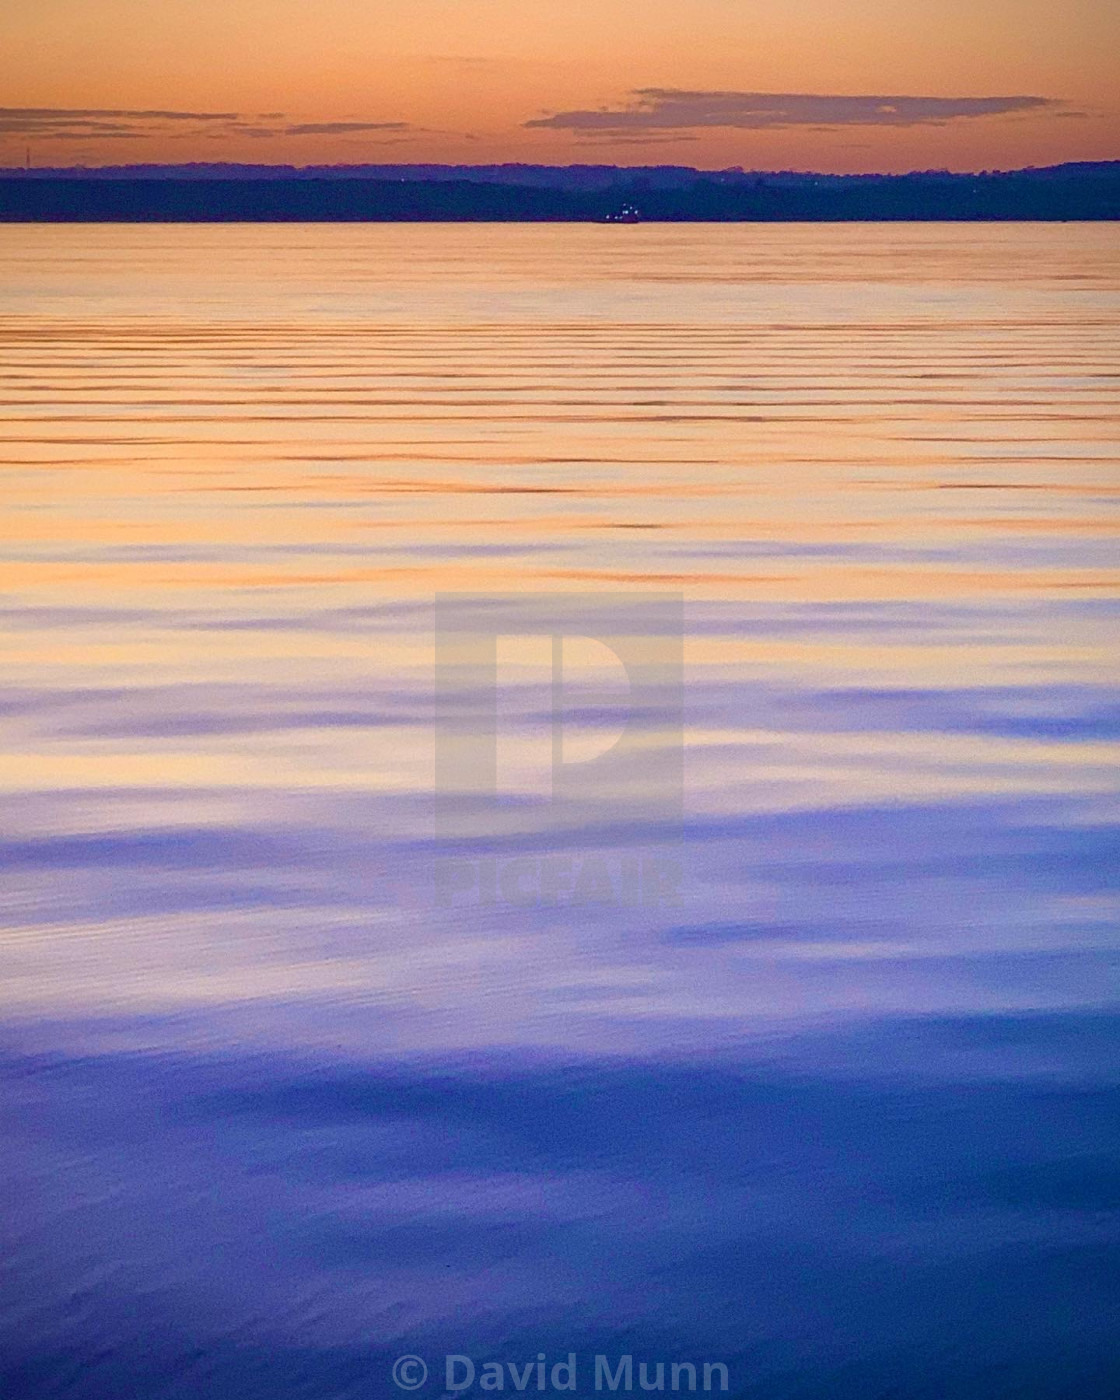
(842,1115)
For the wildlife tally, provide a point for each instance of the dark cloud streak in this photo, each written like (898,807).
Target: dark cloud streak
(664,109)
(91,123)
(79,113)
(339,128)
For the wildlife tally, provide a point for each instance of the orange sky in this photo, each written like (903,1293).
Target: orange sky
(760,83)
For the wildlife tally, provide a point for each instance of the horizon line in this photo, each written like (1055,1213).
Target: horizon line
(734,170)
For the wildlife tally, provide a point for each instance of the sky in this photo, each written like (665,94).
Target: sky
(830,85)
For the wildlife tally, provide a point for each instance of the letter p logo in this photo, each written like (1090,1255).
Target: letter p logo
(634,776)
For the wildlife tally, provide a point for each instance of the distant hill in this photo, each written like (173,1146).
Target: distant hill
(246,193)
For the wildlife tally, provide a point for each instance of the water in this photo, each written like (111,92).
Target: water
(844,1116)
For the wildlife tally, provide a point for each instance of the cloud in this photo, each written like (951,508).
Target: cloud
(67,114)
(639,138)
(664,109)
(95,123)
(455,60)
(339,128)
(82,123)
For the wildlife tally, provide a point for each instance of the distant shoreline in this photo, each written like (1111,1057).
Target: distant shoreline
(574,194)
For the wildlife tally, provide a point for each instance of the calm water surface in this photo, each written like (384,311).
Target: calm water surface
(844,1116)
